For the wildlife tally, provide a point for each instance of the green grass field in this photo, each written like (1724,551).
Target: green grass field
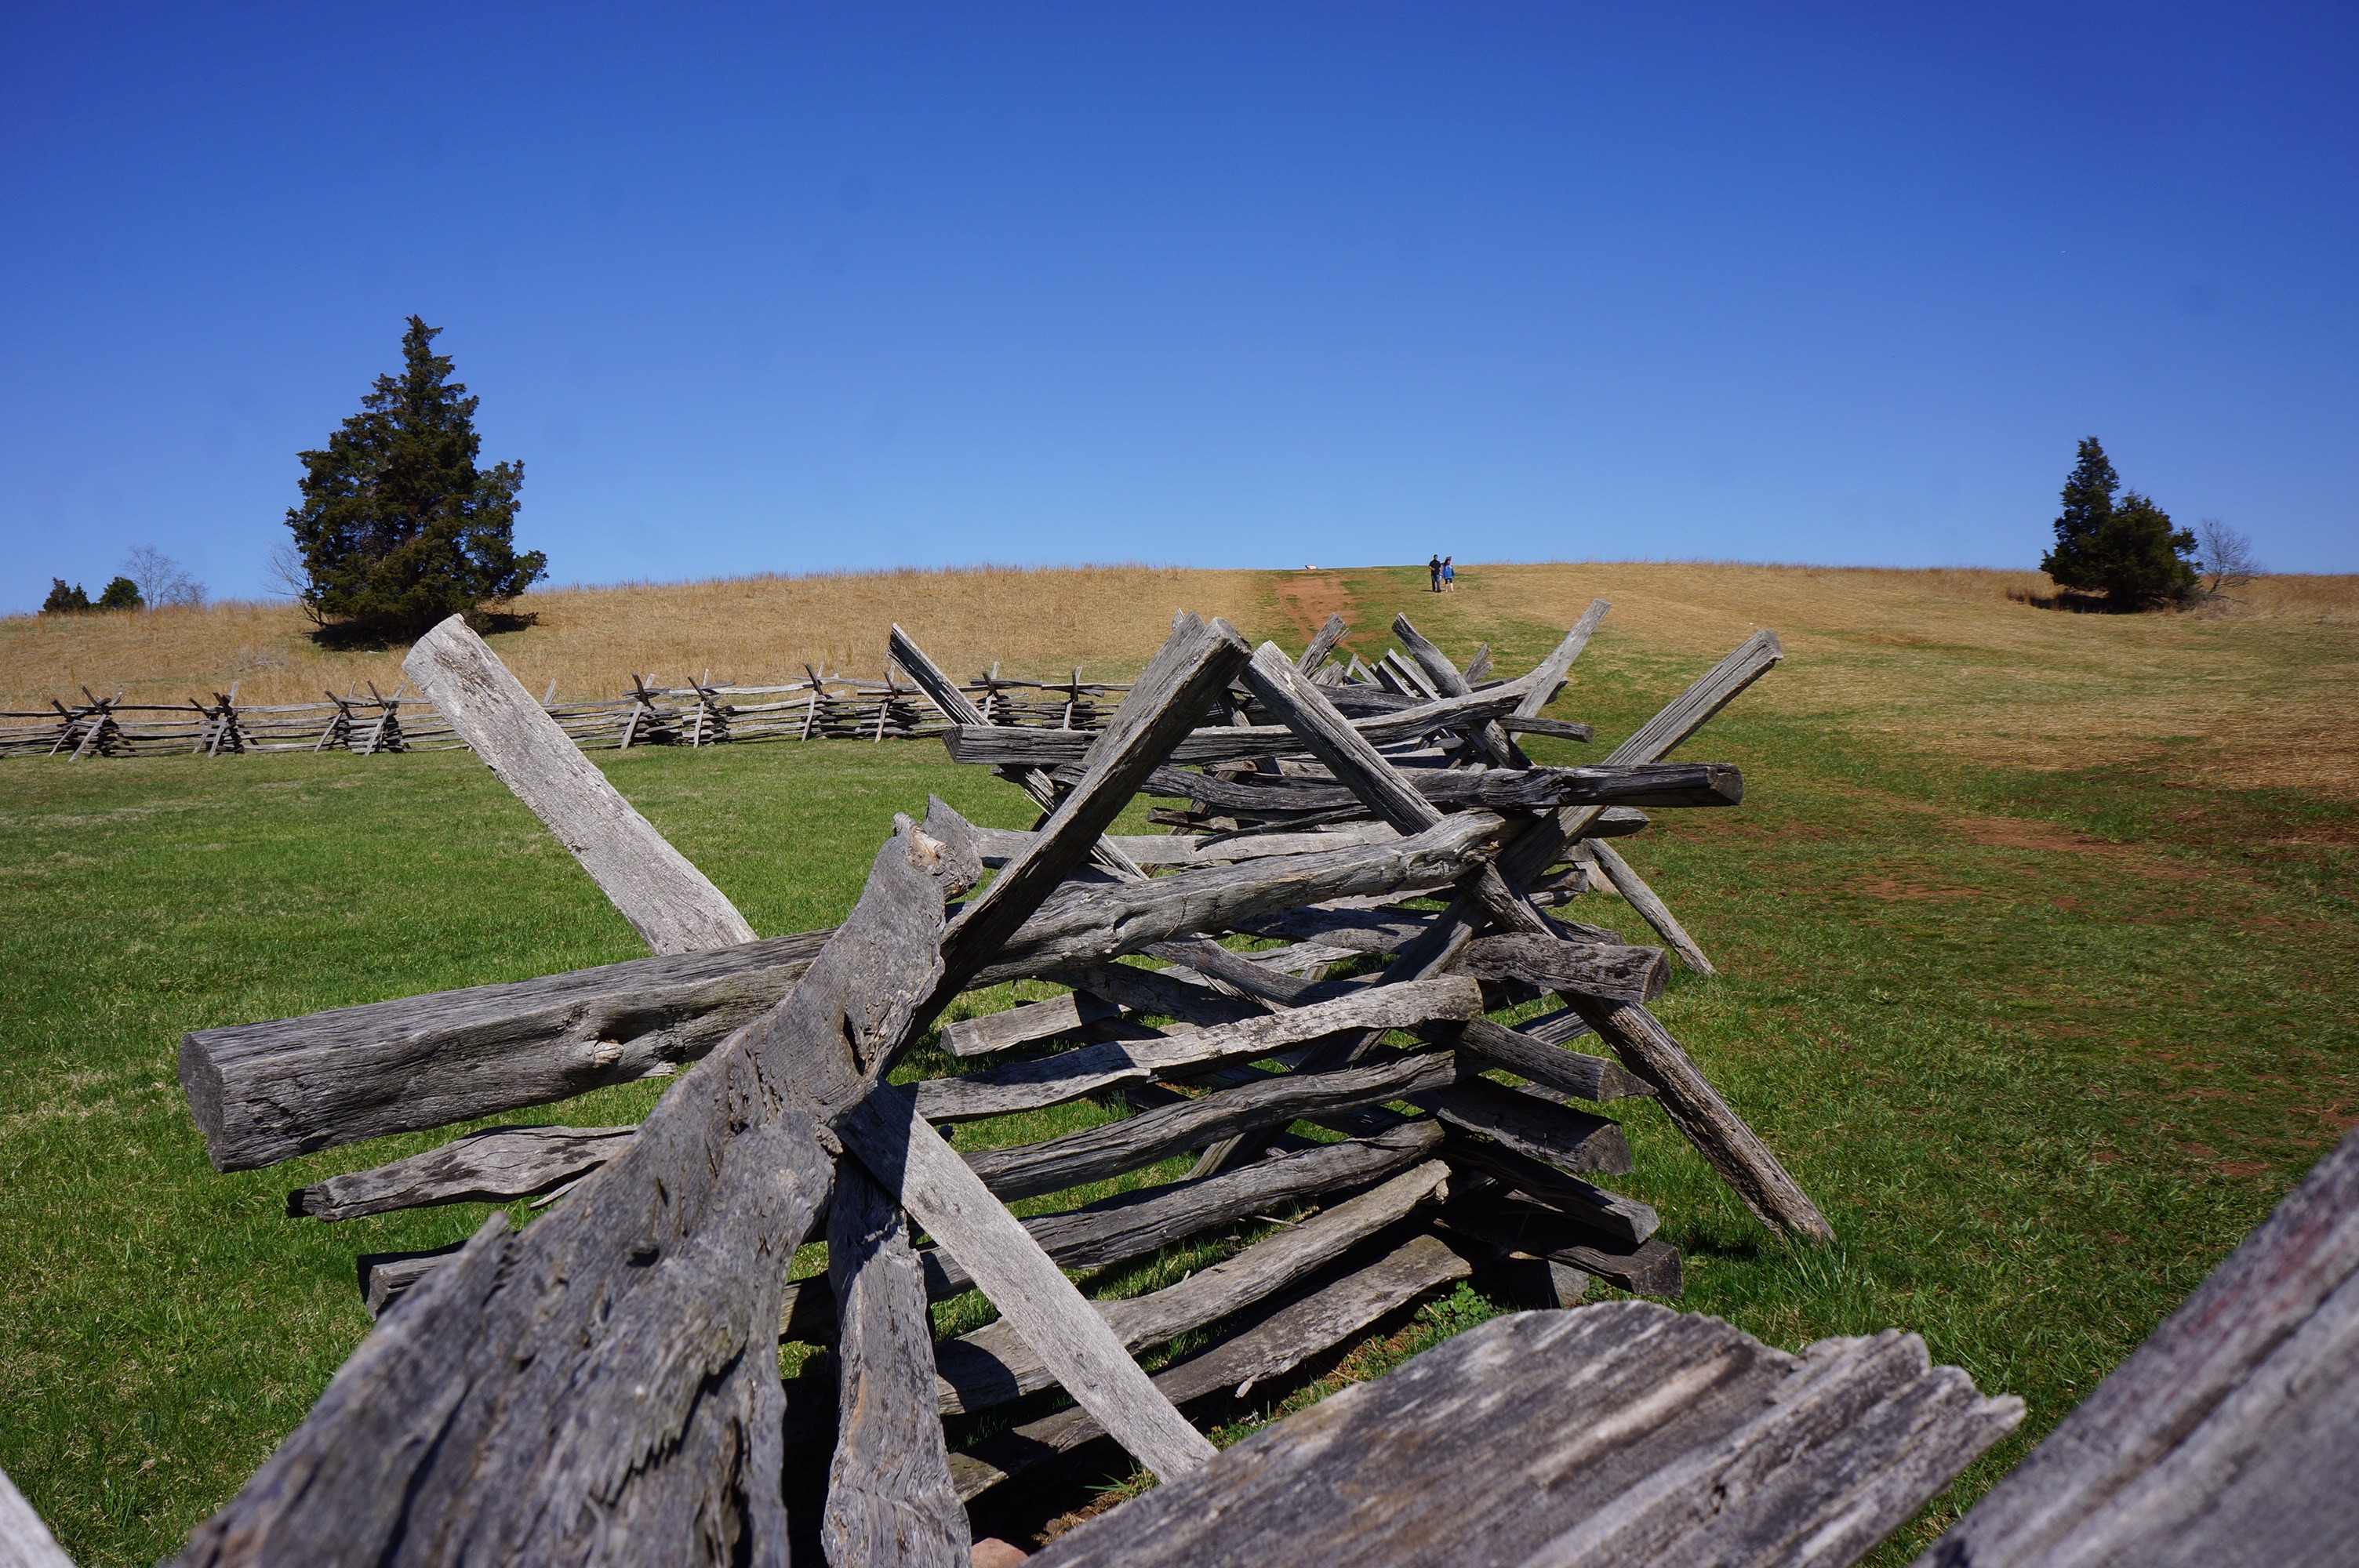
(2043,1045)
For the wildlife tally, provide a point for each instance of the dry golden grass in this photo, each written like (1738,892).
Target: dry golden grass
(754,631)
(1945,658)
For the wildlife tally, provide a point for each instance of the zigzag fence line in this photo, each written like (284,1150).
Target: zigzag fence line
(823,707)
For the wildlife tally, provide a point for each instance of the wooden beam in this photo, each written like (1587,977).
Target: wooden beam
(1330,631)
(495,1166)
(1004,745)
(1549,673)
(1617,1435)
(1653,910)
(890,1500)
(1551,1065)
(1622,974)
(1088,922)
(667,900)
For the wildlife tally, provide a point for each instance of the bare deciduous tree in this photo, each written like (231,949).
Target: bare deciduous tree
(2224,555)
(161,580)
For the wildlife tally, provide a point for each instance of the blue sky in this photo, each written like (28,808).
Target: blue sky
(795,288)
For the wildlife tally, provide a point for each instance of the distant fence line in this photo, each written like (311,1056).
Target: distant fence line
(824,706)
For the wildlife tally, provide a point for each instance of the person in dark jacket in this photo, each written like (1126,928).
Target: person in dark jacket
(1433,568)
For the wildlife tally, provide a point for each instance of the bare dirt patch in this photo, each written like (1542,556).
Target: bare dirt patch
(1308,598)
(1892,890)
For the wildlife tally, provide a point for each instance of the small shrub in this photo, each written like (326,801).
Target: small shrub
(64,601)
(121,594)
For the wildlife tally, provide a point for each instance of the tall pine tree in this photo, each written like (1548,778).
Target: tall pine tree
(2126,549)
(399,527)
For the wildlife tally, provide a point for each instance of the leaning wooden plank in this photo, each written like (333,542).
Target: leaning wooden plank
(491,1166)
(994,1365)
(1655,740)
(1097,1152)
(1540,686)
(1297,1331)
(511,1410)
(1038,1302)
(667,900)
(262,1093)
(1567,1072)
(1142,1222)
(1093,1069)
(2228,1437)
(1623,1433)
(1655,912)
(24,1541)
(1757,1177)
(890,1500)
(1330,631)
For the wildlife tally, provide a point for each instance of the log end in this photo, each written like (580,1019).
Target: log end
(201,1086)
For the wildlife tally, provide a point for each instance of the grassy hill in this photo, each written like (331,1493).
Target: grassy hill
(2037,931)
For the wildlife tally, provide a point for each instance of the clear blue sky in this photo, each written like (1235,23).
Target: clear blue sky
(791,289)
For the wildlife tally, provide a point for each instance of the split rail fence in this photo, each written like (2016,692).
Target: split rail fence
(603,1386)
(823,705)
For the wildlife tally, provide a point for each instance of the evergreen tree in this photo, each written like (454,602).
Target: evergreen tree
(2126,548)
(399,527)
(121,594)
(2088,503)
(63,601)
